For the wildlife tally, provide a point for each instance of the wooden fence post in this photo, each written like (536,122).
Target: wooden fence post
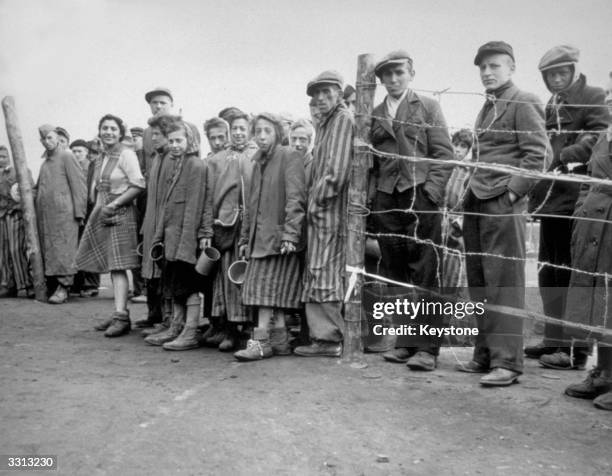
(357,197)
(27,199)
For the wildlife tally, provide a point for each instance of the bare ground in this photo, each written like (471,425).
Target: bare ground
(119,406)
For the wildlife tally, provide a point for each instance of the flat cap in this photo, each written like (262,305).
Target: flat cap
(45,129)
(94,145)
(79,143)
(562,55)
(395,57)
(159,91)
(326,77)
(62,132)
(136,131)
(492,48)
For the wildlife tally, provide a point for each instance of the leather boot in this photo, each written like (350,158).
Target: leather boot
(176,326)
(188,339)
(105,324)
(279,341)
(120,325)
(166,319)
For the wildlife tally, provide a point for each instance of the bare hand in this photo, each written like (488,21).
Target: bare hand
(287,247)
(242,249)
(205,243)
(512,196)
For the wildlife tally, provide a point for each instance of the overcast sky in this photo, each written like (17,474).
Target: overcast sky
(68,62)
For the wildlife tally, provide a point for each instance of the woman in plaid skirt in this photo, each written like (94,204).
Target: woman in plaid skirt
(109,240)
(272,237)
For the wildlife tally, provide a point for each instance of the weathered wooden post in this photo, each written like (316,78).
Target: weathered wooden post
(27,199)
(357,196)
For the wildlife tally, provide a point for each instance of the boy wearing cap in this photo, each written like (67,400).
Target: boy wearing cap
(510,130)
(60,205)
(571,152)
(408,124)
(326,218)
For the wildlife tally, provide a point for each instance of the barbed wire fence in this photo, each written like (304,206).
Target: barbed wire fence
(358,210)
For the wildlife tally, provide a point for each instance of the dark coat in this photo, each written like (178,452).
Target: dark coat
(276,202)
(60,205)
(570,147)
(587,298)
(411,137)
(179,225)
(497,141)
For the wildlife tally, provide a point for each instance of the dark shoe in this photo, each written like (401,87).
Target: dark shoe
(144,323)
(593,386)
(215,339)
(156,329)
(228,344)
(538,350)
(7,292)
(472,367)
(104,324)
(422,361)
(499,377)
(60,296)
(88,293)
(255,350)
(119,326)
(279,341)
(562,361)
(399,355)
(319,349)
(604,401)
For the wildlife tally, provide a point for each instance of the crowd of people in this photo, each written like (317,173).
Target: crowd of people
(272,196)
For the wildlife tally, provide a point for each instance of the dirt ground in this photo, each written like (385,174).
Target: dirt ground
(121,407)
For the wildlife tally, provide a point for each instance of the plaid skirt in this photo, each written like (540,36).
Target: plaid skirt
(227,299)
(273,281)
(106,248)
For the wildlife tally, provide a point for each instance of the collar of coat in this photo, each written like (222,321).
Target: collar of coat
(571,94)
(262,157)
(332,113)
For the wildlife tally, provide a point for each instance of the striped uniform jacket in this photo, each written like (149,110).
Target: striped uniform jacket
(327,203)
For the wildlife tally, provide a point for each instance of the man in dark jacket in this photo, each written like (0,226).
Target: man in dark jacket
(510,131)
(408,124)
(574,106)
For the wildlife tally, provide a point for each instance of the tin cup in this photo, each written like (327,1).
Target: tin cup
(207,261)
(237,271)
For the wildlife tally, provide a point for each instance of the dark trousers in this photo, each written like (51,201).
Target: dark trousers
(497,280)
(555,239)
(408,260)
(154,300)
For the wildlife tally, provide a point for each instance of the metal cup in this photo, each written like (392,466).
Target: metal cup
(237,271)
(207,261)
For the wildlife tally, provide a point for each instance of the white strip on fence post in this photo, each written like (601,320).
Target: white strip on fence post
(357,195)
(27,199)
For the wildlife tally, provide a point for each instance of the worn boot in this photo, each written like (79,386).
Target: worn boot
(257,348)
(165,323)
(279,341)
(172,332)
(120,325)
(60,296)
(188,338)
(105,324)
